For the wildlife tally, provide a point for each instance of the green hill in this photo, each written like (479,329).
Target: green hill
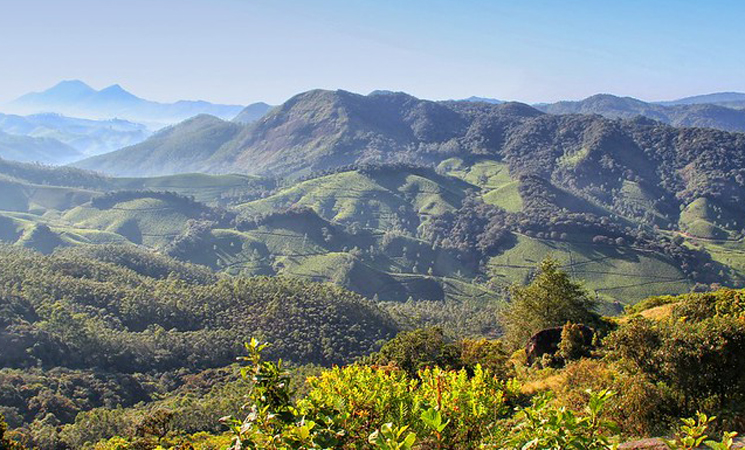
(463,183)
(375,198)
(176,149)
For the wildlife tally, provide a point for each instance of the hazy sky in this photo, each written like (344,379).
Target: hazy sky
(241,51)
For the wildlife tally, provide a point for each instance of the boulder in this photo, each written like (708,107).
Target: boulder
(547,342)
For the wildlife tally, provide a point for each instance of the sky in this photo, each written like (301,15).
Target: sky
(243,51)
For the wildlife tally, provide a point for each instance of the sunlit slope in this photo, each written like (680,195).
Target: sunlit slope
(379,199)
(498,187)
(624,275)
(148,221)
(389,267)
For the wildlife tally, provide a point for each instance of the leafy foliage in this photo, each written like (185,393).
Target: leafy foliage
(349,406)
(5,443)
(551,299)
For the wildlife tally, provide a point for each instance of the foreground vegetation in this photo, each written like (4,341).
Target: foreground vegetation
(107,347)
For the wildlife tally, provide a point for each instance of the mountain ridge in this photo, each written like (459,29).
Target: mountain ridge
(321,129)
(676,113)
(175,149)
(76,98)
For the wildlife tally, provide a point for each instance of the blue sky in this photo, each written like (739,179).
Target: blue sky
(241,51)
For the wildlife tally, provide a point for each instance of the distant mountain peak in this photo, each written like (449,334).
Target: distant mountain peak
(475,99)
(75,98)
(71,84)
(115,91)
(114,88)
(64,89)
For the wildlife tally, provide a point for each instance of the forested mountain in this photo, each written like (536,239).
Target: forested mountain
(320,130)
(104,326)
(77,99)
(459,232)
(478,190)
(419,199)
(705,111)
(637,169)
(89,137)
(138,292)
(176,149)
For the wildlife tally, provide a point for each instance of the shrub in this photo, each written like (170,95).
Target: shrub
(573,344)
(5,442)
(414,350)
(544,426)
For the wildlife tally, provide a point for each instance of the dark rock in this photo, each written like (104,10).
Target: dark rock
(547,342)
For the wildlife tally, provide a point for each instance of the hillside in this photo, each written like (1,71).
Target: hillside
(119,326)
(636,206)
(77,99)
(90,137)
(457,234)
(252,113)
(45,150)
(177,149)
(320,130)
(127,349)
(637,169)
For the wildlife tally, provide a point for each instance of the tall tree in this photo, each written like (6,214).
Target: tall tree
(551,299)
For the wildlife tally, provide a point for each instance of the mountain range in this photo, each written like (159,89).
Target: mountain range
(320,130)
(703,111)
(399,197)
(730,99)
(76,99)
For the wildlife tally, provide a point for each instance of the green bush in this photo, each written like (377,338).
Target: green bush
(573,345)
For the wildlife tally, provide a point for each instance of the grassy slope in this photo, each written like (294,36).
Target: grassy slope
(493,177)
(157,220)
(377,201)
(625,275)
(298,248)
(203,187)
(704,218)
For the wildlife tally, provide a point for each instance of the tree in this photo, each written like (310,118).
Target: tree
(550,300)
(413,350)
(5,442)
